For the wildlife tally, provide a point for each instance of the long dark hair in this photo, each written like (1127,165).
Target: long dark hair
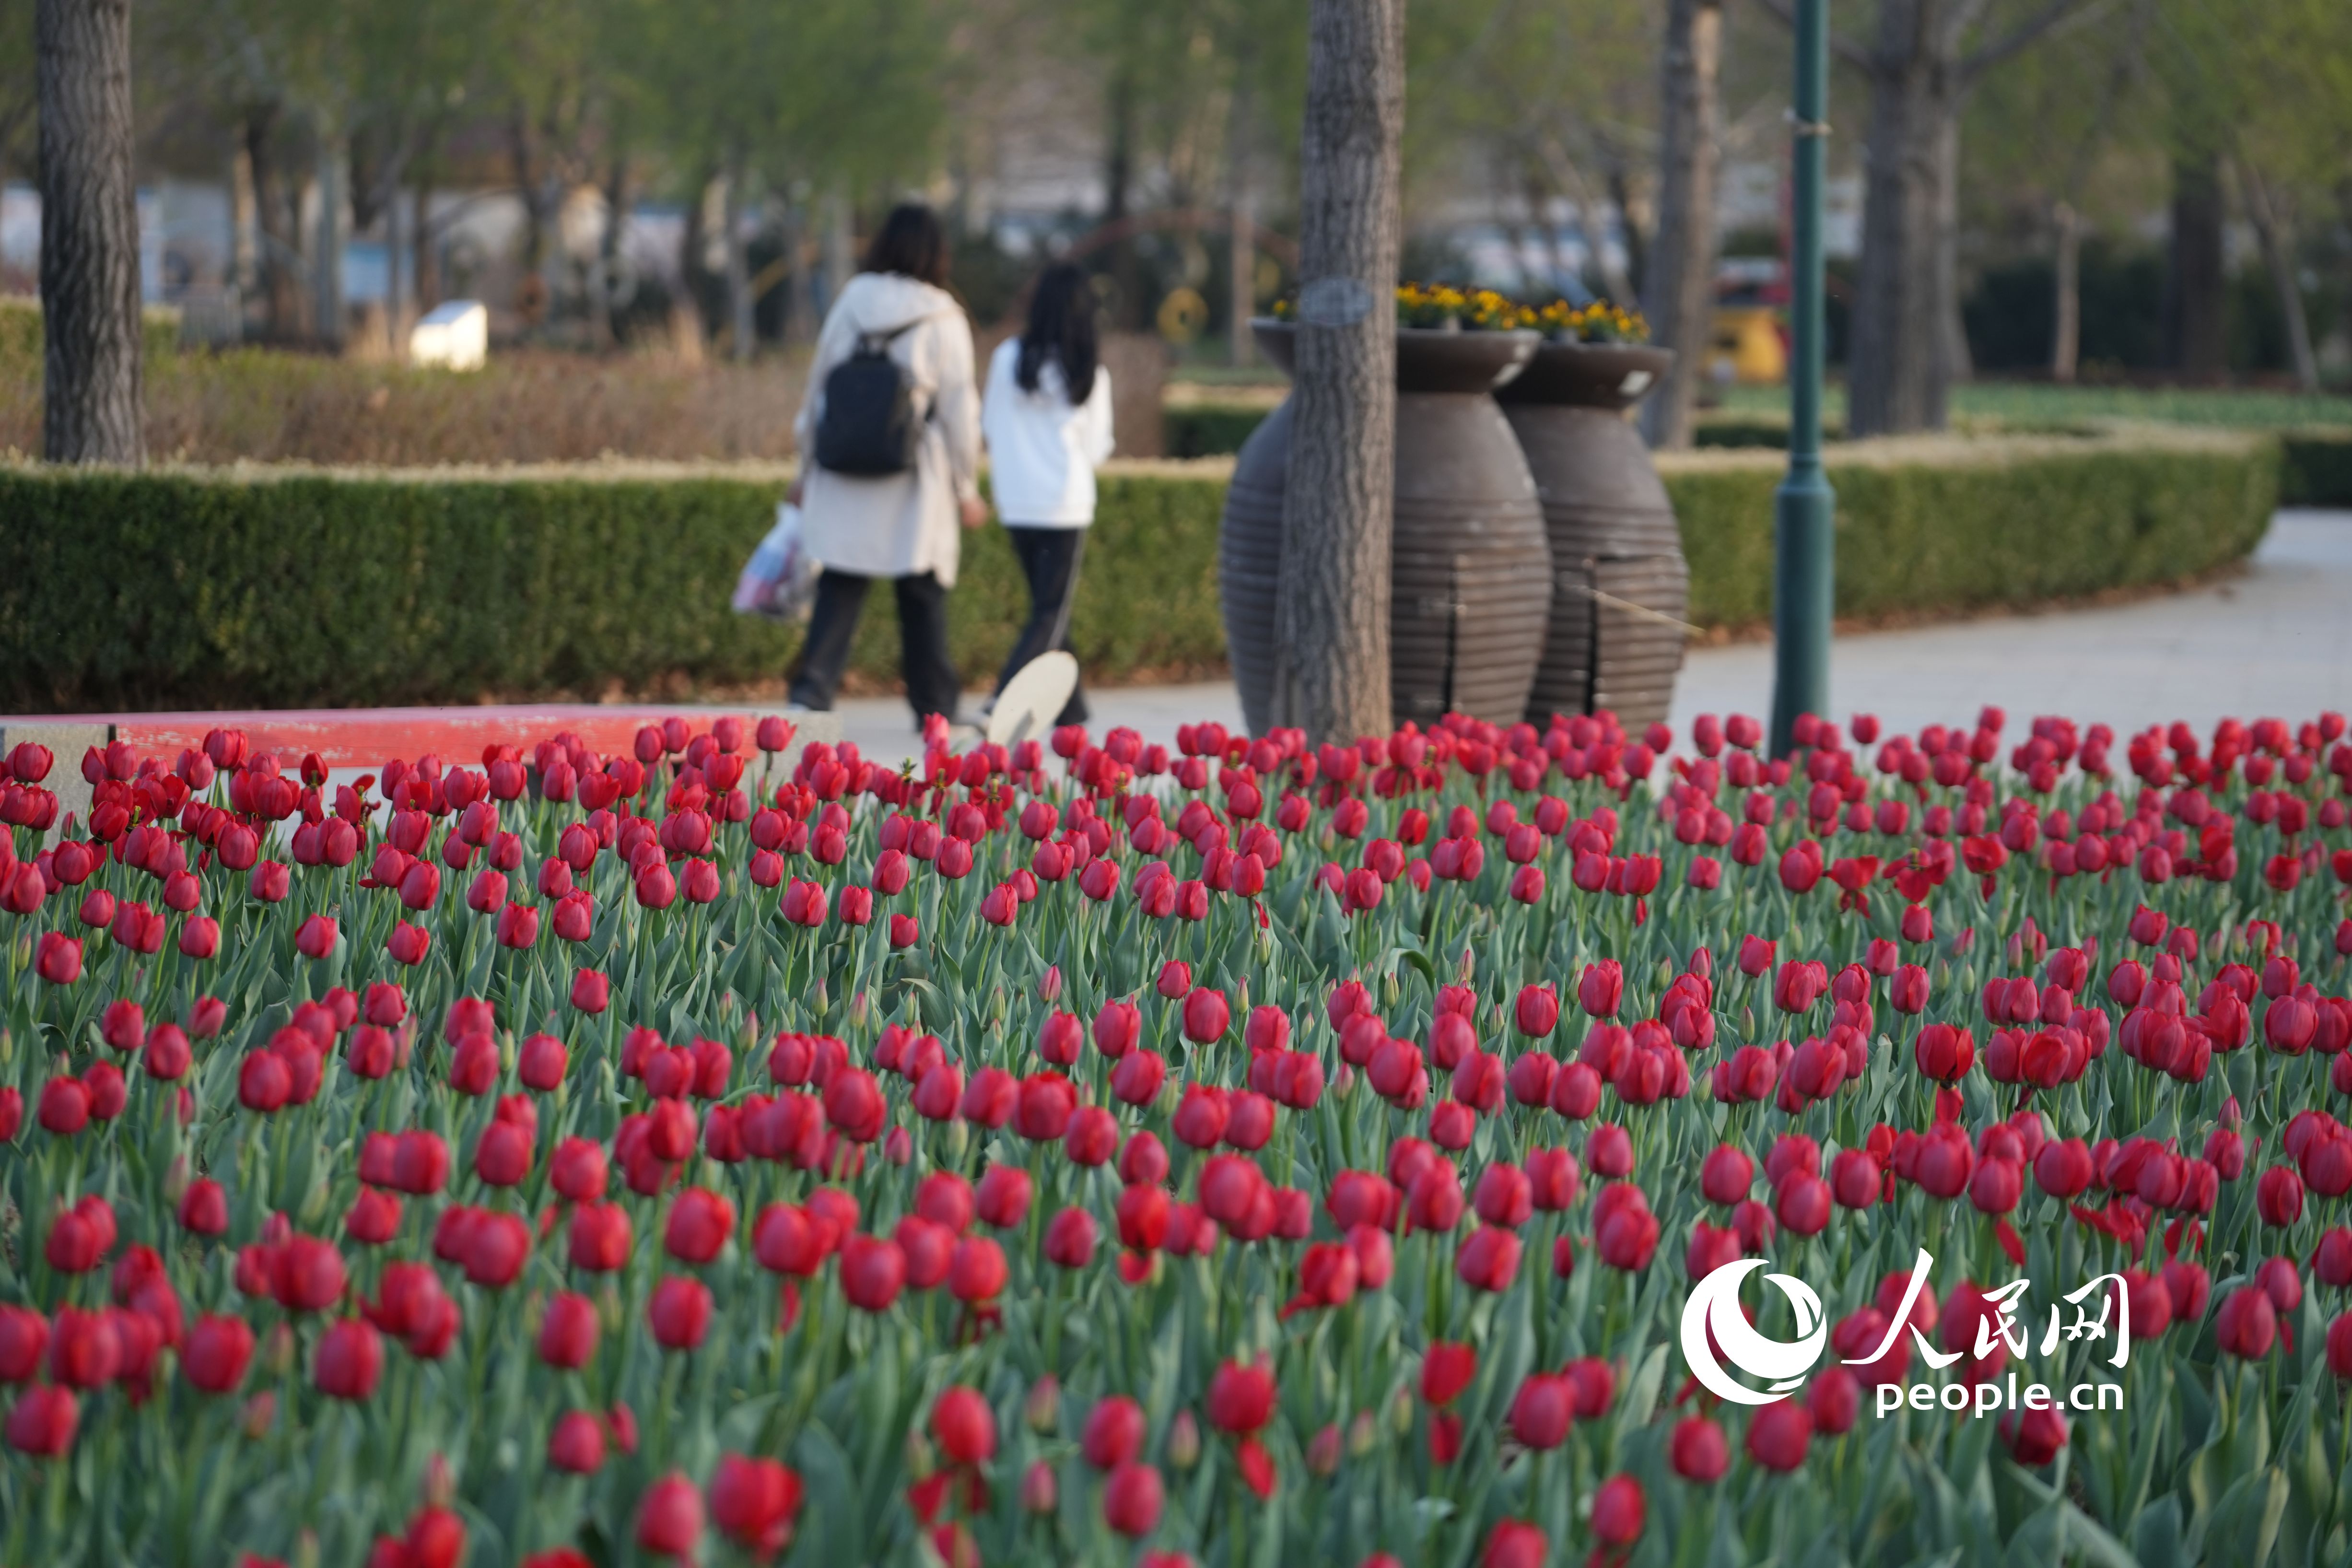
(911,242)
(1061,327)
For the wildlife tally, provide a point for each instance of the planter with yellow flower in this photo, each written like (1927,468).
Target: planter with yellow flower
(1621,587)
(1469,599)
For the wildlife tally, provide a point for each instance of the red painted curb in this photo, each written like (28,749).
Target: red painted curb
(367,737)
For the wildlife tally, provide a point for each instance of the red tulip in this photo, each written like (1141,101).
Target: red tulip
(679,1313)
(755,1502)
(669,1517)
(1779,1435)
(1241,1398)
(42,1421)
(1620,1511)
(216,1352)
(1113,1433)
(1133,1500)
(1699,1450)
(1515,1543)
(964,1426)
(348,1360)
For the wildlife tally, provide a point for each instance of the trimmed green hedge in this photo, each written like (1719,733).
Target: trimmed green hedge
(20,335)
(2315,469)
(1209,429)
(188,588)
(2012,522)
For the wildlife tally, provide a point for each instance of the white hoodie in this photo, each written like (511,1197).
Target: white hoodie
(1043,453)
(902,525)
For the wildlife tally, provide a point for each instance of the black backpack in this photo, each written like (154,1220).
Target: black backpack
(870,427)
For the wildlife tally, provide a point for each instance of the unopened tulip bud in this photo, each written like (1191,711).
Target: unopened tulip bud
(1323,1451)
(439,1486)
(920,1461)
(1183,1441)
(1363,1435)
(1042,1409)
(1401,1413)
(1040,1492)
(259,1412)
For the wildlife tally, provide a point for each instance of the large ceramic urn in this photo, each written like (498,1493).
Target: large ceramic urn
(1469,593)
(1621,587)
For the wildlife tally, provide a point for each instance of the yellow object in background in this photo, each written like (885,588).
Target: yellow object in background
(1182,315)
(1745,346)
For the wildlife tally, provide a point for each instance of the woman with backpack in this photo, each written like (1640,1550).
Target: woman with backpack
(889,441)
(1046,414)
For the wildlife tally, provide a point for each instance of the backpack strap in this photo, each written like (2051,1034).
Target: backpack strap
(879,342)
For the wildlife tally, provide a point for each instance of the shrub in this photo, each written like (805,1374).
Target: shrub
(1941,526)
(297,587)
(2315,469)
(229,587)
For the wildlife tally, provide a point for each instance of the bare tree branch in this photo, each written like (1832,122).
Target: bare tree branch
(2049,18)
(1852,51)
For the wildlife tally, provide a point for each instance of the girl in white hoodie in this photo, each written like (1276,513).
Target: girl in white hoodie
(902,525)
(1046,414)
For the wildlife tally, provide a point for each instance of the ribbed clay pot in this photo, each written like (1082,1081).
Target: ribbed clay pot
(1470,567)
(1613,540)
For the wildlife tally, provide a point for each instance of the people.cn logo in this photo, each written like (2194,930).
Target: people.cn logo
(1714,1309)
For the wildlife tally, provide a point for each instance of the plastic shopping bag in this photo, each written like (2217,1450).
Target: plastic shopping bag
(780,580)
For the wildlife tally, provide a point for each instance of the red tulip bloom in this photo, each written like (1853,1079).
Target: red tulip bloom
(348,1360)
(1620,1511)
(1206,1015)
(42,1421)
(669,1519)
(1241,1398)
(1699,1450)
(1113,1433)
(1515,1543)
(1133,1500)
(567,1334)
(873,1271)
(964,1426)
(1779,1435)
(755,1502)
(679,1313)
(215,1353)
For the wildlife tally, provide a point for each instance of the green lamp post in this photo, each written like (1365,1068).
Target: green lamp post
(1805,509)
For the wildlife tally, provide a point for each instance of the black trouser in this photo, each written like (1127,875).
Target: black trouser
(1049,559)
(933,685)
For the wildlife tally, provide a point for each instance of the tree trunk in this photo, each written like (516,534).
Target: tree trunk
(327,265)
(741,326)
(1332,613)
(2275,228)
(1129,310)
(1678,280)
(608,250)
(801,315)
(426,262)
(2196,292)
(2066,314)
(1899,369)
(274,229)
(244,227)
(1637,250)
(1241,251)
(89,235)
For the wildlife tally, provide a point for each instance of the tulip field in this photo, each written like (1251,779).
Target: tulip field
(734,1151)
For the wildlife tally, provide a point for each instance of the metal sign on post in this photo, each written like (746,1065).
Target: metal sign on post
(1805,509)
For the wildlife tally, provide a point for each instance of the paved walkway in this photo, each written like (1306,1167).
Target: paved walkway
(2275,641)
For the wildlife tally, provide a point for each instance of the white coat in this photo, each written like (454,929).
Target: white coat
(902,525)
